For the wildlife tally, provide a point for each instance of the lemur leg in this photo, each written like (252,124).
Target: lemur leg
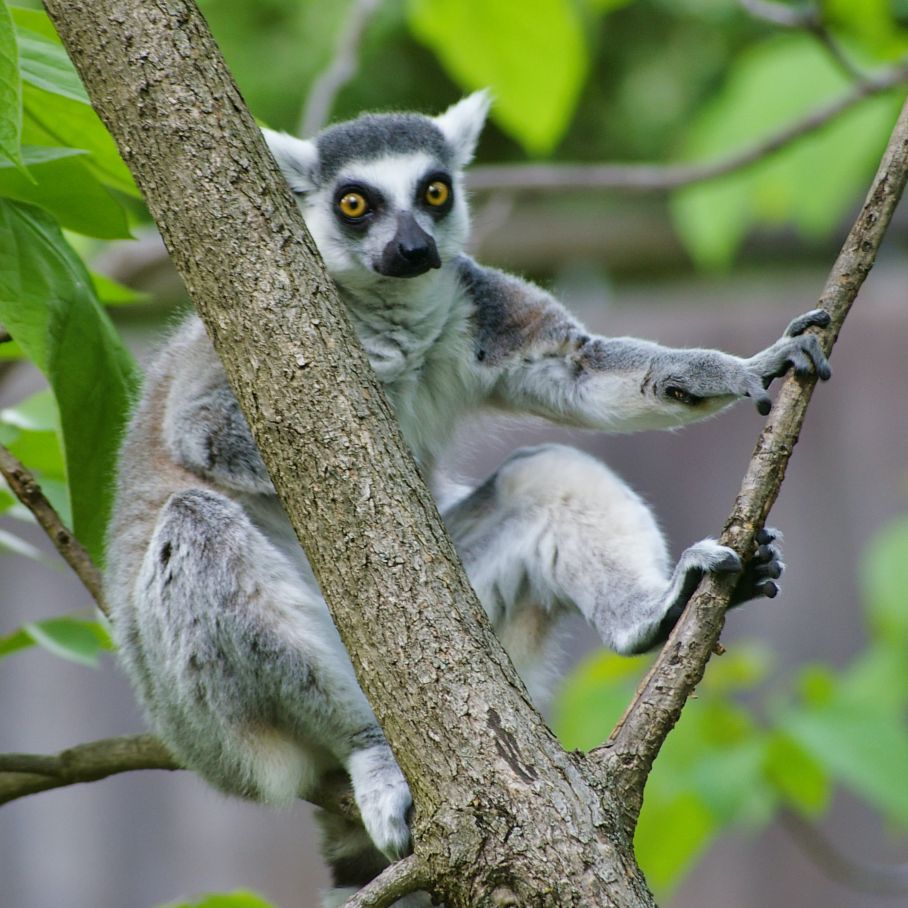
(231,627)
(554,528)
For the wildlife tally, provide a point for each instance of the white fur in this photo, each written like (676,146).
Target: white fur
(462,123)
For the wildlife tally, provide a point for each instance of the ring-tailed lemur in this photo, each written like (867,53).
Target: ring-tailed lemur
(219,620)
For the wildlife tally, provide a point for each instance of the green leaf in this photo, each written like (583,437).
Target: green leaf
(14,642)
(62,183)
(670,835)
(37,413)
(884,577)
(740,668)
(52,119)
(77,639)
(864,747)
(593,698)
(35,20)
(113,293)
(44,64)
(238,899)
(811,183)
(48,305)
(10,91)
(534,61)
(817,685)
(796,775)
(870,23)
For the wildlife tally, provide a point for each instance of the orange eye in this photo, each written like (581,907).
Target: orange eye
(353,205)
(437,193)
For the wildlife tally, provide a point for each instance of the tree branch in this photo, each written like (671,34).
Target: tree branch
(400,879)
(638,736)
(809,19)
(340,70)
(25,487)
(659,177)
(27,774)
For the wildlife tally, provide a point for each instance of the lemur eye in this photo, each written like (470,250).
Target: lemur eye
(437,193)
(353,205)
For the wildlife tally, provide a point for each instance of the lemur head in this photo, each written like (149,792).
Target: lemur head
(382,195)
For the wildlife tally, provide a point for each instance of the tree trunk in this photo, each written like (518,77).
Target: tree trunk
(504,814)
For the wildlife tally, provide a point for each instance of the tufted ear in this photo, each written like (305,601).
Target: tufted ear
(297,158)
(462,123)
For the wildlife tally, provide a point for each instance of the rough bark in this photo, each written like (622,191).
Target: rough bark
(501,808)
(504,815)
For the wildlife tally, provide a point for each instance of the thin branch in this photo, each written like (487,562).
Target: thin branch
(809,19)
(863,876)
(660,178)
(636,740)
(400,879)
(340,70)
(25,487)
(27,774)
(781,13)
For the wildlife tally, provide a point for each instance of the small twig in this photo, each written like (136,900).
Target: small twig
(863,876)
(400,879)
(27,774)
(340,70)
(656,177)
(660,697)
(809,19)
(25,487)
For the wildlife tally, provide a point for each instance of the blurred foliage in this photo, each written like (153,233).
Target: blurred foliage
(799,737)
(579,80)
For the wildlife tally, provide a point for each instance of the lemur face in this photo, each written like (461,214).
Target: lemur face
(382,195)
(397,216)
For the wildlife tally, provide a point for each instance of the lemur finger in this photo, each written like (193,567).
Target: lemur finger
(771,570)
(810,345)
(766,535)
(757,393)
(816,318)
(769,589)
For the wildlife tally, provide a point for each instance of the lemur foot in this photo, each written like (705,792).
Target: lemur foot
(383,798)
(763,569)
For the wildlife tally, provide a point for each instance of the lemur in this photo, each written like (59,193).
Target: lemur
(219,620)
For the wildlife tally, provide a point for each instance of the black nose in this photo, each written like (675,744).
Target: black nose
(411,252)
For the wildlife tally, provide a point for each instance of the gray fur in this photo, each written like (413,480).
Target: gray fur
(220,623)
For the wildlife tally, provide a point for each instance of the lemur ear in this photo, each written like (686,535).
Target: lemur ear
(297,158)
(462,123)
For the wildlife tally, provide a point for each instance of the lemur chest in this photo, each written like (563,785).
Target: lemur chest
(422,355)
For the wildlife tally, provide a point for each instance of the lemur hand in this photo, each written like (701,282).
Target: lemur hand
(796,350)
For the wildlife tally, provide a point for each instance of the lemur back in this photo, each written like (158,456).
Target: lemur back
(220,622)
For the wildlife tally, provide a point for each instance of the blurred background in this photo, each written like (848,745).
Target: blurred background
(786,781)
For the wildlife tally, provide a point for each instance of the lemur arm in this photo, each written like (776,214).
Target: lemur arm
(203,427)
(534,357)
